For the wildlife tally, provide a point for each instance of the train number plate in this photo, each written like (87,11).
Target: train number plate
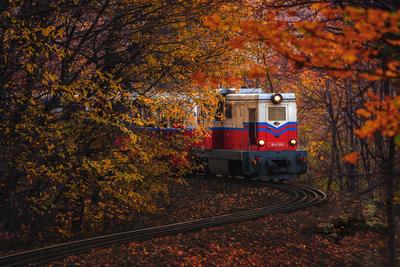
(276,144)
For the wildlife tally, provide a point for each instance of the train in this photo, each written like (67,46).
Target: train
(255,135)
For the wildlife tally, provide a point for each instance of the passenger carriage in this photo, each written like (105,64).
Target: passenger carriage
(256,136)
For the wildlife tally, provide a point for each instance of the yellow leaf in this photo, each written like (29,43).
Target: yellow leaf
(30,67)
(235,28)
(317,6)
(46,31)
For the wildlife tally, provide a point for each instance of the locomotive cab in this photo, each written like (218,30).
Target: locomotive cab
(257,137)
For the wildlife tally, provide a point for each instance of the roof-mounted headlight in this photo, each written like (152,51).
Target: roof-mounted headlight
(276,98)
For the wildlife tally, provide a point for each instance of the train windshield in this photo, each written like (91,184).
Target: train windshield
(276,113)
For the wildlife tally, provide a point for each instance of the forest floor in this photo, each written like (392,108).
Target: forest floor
(317,236)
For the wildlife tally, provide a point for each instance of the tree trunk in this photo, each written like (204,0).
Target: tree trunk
(390,188)
(351,169)
(389,173)
(335,133)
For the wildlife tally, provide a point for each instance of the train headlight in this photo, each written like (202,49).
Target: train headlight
(276,98)
(293,142)
(261,142)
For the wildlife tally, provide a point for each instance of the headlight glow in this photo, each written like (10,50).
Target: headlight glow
(261,142)
(276,98)
(293,142)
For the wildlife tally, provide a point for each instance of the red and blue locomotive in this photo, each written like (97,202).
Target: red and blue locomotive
(256,136)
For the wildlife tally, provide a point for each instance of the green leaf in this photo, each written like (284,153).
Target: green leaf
(397,139)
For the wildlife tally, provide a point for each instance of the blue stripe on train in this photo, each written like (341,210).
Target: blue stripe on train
(229,128)
(277,131)
(259,130)
(271,125)
(258,124)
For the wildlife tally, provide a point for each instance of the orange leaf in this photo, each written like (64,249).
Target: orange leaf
(212,22)
(233,81)
(214,82)
(363,113)
(393,42)
(352,158)
(199,78)
(368,129)
(340,73)
(256,71)
(237,42)
(370,77)
(350,56)
(394,65)
(371,95)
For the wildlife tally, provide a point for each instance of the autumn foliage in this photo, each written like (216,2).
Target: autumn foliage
(346,56)
(86,86)
(81,83)
(382,116)
(352,158)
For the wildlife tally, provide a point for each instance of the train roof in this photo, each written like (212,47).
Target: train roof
(253,93)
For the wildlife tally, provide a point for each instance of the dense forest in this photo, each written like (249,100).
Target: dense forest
(77,75)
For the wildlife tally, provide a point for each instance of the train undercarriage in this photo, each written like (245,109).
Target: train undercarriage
(266,165)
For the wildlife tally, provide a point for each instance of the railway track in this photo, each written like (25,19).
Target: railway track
(299,197)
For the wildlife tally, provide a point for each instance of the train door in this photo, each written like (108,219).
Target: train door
(252,126)
(277,118)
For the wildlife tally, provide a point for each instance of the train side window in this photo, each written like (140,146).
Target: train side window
(228,111)
(252,126)
(276,113)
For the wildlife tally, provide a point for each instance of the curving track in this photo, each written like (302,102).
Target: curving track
(299,197)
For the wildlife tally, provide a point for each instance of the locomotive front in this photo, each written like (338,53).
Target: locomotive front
(256,137)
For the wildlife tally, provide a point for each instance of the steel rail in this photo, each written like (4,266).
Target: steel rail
(300,197)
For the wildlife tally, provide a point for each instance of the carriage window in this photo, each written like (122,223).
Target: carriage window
(276,113)
(228,111)
(252,126)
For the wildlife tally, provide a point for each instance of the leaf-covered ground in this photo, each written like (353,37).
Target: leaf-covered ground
(301,238)
(193,199)
(199,198)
